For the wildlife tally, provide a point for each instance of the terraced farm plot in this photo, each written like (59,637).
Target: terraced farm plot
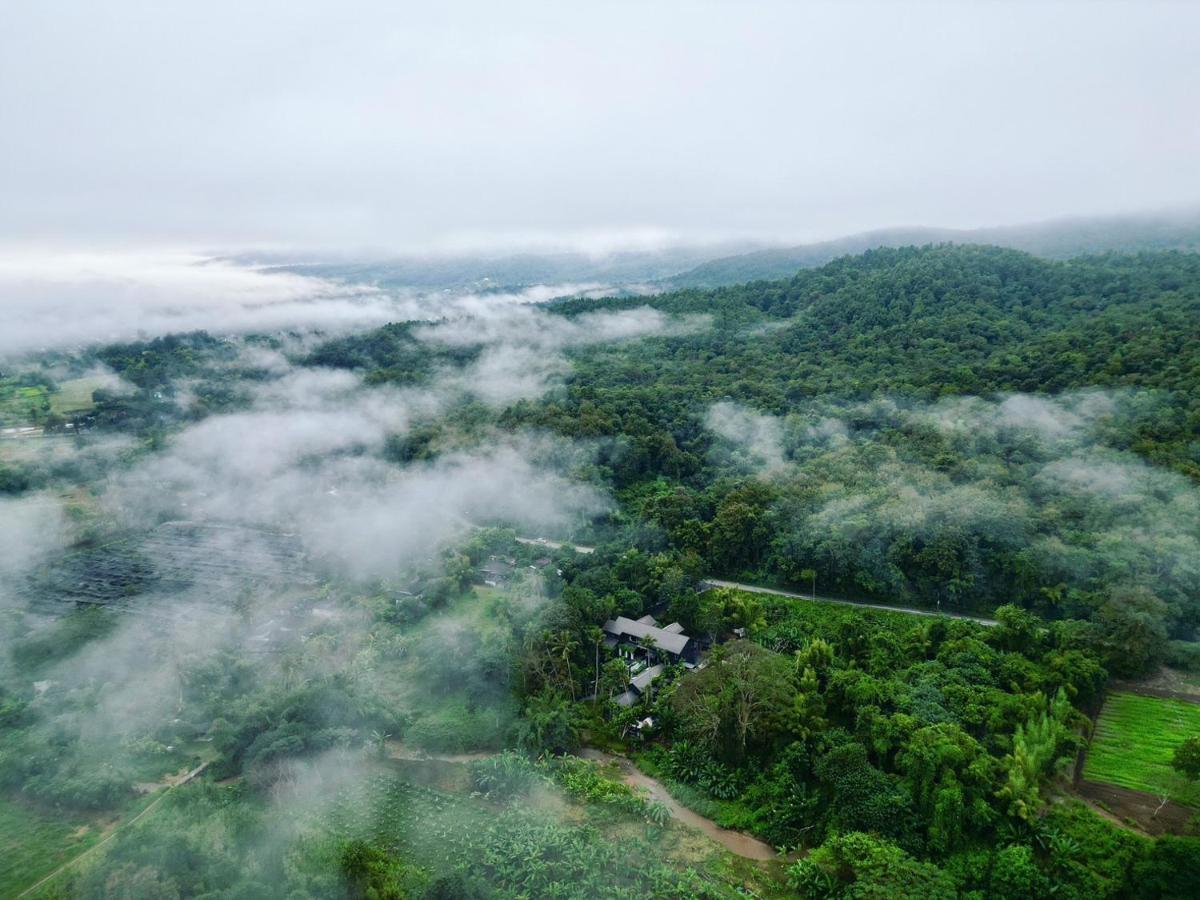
(1134,741)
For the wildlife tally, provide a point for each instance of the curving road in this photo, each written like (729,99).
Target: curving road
(734,841)
(775,592)
(908,610)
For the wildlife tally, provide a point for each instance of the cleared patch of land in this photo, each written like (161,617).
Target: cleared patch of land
(74,395)
(1134,741)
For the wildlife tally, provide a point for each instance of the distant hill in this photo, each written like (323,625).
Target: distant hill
(1058,239)
(499,272)
(733,262)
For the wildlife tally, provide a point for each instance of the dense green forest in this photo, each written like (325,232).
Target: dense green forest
(1037,409)
(959,429)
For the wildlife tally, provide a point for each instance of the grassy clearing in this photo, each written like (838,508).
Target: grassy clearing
(73,395)
(34,843)
(1135,739)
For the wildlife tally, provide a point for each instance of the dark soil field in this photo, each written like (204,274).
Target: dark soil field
(1140,808)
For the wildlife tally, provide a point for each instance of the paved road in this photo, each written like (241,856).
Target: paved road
(912,611)
(555,545)
(755,589)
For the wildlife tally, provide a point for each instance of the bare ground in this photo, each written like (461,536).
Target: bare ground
(1167,683)
(1147,811)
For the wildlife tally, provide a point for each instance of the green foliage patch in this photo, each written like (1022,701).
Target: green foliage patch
(1134,742)
(36,842)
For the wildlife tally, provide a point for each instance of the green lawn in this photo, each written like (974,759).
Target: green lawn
(1135,739)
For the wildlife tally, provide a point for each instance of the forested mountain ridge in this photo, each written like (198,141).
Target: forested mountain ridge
(960,425)
(1061,239)
(935,321)
(1009,391)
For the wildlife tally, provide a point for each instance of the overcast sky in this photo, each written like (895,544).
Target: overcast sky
(389,125)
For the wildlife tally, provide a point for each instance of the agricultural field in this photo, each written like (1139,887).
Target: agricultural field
(74,396)
(21,404)
(24,403)
(527,835)
(579,837)
(1134,741)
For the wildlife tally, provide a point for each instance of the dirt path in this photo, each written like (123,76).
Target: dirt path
(112,834)
(907,610)
(398,751)
(733,841)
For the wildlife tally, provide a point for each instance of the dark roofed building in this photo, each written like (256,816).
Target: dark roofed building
(638,686)
(674,644)
(495,571)
(645,678)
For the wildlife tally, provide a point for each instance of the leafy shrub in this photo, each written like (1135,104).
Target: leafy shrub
(505,775)
(1183,655)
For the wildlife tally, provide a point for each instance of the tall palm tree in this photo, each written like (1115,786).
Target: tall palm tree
(596,636)
(647,644)
(563,646)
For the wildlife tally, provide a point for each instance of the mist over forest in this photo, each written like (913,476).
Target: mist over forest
(637,450)
(280,555)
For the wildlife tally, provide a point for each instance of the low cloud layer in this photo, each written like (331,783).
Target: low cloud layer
(1025,475)
(522,347)
(55,301)
(273,539)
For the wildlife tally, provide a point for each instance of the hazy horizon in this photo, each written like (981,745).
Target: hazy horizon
(371,130)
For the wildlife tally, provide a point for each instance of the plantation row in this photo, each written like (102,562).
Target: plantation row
(1134,741)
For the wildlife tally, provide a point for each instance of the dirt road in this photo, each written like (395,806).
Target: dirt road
(733,841)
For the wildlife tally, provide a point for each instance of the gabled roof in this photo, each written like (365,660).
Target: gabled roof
(664,640)
(674,628)
(643,679)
